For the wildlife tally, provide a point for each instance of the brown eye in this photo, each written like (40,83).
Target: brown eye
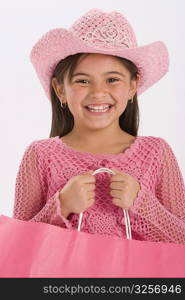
(83,81)
(112,79)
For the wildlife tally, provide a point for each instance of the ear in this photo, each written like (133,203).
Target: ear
(58,88)
(133,86)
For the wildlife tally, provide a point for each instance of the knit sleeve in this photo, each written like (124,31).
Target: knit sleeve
(30,192)
(162,210)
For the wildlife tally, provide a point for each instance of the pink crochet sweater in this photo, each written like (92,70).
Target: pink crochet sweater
(158,213)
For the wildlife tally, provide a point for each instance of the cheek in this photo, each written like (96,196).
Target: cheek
(76,94)
(121,95)
(74,99)
(119,89)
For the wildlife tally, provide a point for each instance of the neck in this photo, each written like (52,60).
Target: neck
(100,137)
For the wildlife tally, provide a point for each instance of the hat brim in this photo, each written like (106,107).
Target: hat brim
(152,60)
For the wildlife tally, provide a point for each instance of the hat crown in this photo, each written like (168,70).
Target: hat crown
(104,30)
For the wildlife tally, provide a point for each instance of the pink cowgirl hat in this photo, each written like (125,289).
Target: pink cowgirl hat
(99,32)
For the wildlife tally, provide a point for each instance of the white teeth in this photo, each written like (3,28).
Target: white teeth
(98,107)
(98,110)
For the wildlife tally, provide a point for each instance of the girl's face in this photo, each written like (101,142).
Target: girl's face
(98,81)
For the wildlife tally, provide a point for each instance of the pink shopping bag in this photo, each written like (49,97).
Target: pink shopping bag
(31,249)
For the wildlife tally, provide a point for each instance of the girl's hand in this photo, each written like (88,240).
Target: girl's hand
(78,194)
(124,189)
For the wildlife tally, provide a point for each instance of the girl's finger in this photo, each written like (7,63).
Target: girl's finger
(118,185)
(116,193)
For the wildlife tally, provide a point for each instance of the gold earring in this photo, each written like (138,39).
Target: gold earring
(62,104)
(61,99)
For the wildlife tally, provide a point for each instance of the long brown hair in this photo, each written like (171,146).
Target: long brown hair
(62,118)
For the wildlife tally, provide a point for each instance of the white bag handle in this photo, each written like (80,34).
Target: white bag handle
(125,212)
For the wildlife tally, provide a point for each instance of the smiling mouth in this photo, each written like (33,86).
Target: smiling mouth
(102,109)
(97,111)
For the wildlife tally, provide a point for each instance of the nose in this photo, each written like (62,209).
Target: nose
(98,91)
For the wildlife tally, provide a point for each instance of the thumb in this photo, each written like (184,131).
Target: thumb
(90,172)
(115,171)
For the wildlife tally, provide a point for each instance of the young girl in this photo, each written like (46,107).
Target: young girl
(92,74)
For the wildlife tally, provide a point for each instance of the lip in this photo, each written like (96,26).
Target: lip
(99,113)
(98,104)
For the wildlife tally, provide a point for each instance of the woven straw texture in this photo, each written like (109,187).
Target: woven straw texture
(99,32)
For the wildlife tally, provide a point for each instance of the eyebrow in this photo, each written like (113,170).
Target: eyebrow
(106,73)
